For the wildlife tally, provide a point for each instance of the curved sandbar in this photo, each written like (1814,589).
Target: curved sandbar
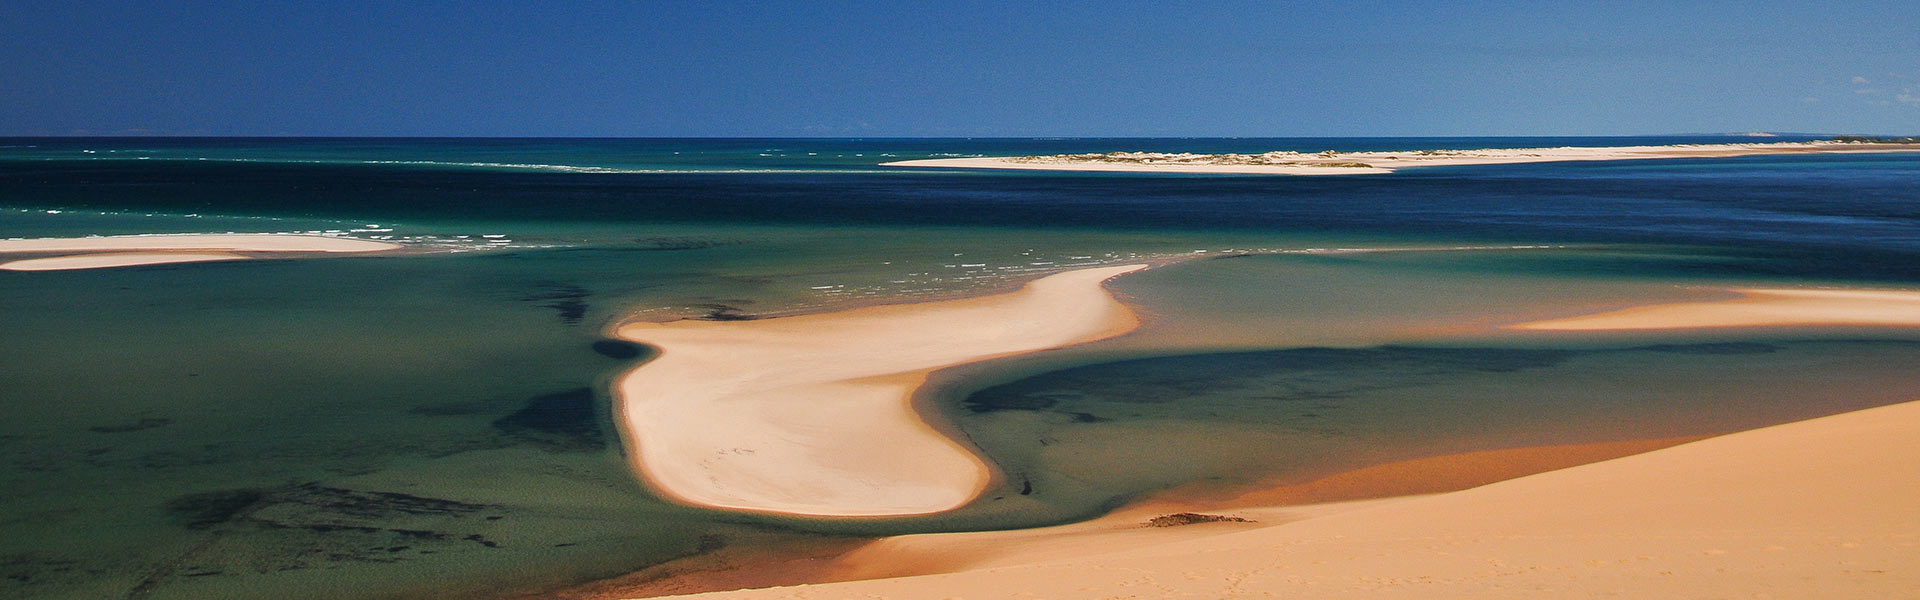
(1357,163)
(812,415)
(137,250)
(1757,308)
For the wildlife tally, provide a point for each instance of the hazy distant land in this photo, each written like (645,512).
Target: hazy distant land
(1332,162)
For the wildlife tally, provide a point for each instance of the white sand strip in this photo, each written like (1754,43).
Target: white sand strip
(100,252)
(1355,163)
(1816,509)
(113,259)
(223,242)
(812,415)
(1757,308)
(1018,164)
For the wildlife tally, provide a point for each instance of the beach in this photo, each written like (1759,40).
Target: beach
(1803,509)
(1359,163)
(785,415)
(101,252)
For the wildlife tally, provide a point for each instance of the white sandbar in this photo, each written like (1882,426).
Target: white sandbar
(99,252)
(1757,308)
(113,259)
(1356,163)
(813,415)
(214,242)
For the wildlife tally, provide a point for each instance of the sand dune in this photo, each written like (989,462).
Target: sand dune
(137,250)
(1815,509)
(811,415)
(1757,308)
(1355,163)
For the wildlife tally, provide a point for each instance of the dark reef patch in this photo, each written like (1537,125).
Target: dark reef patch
(654,244)
(147,423)
(570,301)
(207,509)
(618,349)
(29,569)
(724,312)
(679,243)
(1712,348)
(310,506)
(568,420)
(313,526)
(449,409)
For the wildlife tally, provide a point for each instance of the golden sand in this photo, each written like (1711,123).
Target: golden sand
(1816,509)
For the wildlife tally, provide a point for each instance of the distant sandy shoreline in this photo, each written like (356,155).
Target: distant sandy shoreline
(812,415)
(100,252)
(1756,308)
(1358,163)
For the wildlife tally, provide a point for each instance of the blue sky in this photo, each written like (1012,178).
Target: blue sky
(1322,68)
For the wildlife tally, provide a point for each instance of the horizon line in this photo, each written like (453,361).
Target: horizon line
(1749,134)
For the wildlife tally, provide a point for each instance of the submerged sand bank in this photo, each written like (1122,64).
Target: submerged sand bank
(812,415)
(137,250)
(1818,508)
(1757,308)
(1355,163)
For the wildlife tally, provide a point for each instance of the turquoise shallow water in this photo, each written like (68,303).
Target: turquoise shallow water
(436,423)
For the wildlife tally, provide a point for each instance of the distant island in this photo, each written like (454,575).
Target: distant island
(1874,139)
(1333,162)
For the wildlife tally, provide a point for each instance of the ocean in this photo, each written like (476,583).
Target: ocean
(437,423)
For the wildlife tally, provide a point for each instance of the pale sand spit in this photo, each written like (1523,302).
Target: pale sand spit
(113,259)
(1815,509)
(812,415)
(1356,163)
(232,242)
(1757,308)
(135,250)
(1019,163)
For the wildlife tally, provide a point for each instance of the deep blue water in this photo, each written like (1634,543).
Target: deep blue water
(1803,208)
